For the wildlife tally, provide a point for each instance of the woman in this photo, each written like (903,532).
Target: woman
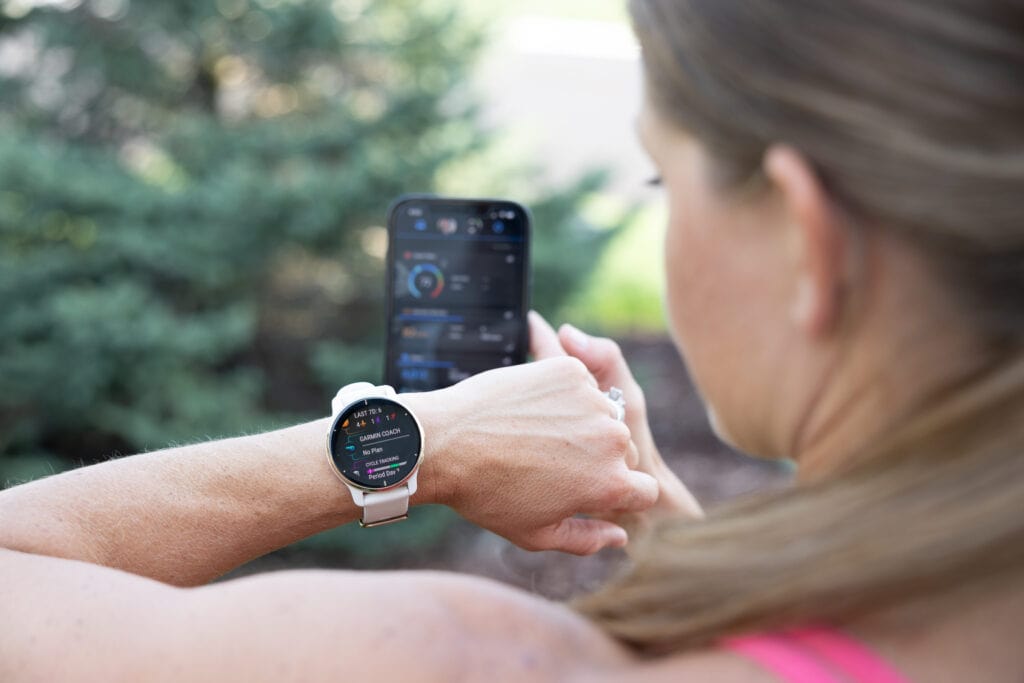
(845,257)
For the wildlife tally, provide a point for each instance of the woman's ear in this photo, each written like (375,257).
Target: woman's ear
(818,236)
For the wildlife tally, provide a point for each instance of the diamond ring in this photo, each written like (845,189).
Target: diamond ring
(619,401)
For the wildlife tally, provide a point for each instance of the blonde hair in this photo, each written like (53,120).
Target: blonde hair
(912,114)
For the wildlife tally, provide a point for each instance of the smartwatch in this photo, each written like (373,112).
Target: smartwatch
(375,446)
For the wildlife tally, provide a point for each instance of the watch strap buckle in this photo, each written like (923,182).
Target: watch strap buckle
(385,507)
(383,522)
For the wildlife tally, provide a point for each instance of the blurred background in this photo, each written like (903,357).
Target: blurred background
(192,198)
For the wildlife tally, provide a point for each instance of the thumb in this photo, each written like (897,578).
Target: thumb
(581,536)
(543,340)
(601,355)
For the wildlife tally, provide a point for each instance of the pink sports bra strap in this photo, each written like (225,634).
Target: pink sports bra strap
(782,658)
(815,655)
(848,654)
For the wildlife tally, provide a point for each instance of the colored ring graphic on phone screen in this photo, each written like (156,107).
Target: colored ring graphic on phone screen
(426,268)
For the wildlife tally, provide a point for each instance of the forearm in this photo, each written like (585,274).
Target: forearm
(183,515)
(186,515)
(79,622)
(523,468)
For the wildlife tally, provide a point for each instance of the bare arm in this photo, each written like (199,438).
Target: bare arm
(183,515)
(80,622)
(521,468)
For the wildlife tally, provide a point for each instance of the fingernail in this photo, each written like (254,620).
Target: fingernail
(578,339)
(619,539)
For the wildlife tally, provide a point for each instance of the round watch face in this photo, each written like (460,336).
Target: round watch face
(375,443)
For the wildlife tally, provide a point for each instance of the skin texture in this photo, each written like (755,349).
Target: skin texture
(603,358)
(804,339)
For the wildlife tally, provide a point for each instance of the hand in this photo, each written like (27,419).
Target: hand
(522,450)
(603,358)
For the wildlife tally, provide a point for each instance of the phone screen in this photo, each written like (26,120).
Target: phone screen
(458,274)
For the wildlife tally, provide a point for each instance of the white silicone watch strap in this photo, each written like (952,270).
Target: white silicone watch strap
(379,507)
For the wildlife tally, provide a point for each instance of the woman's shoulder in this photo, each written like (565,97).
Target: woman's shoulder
(531,635)
(547,640)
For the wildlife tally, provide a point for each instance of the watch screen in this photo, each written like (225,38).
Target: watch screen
(375,443)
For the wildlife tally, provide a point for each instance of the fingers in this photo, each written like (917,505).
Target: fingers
(642,493)
(580,536)
(632,456)
(620,439)
(568,369)
(544,341)
(602,356)
(632,491)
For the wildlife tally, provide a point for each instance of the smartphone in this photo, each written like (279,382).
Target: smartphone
(458,281)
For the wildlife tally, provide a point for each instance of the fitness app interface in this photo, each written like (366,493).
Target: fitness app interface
(459,274)
(375,443)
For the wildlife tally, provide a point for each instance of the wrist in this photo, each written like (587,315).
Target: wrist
(437,480)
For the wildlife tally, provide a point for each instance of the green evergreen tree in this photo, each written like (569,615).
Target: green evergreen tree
(188,195)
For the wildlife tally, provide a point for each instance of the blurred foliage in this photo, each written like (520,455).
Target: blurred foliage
(562,9)
(623,291)
(421,533)
(191,194)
